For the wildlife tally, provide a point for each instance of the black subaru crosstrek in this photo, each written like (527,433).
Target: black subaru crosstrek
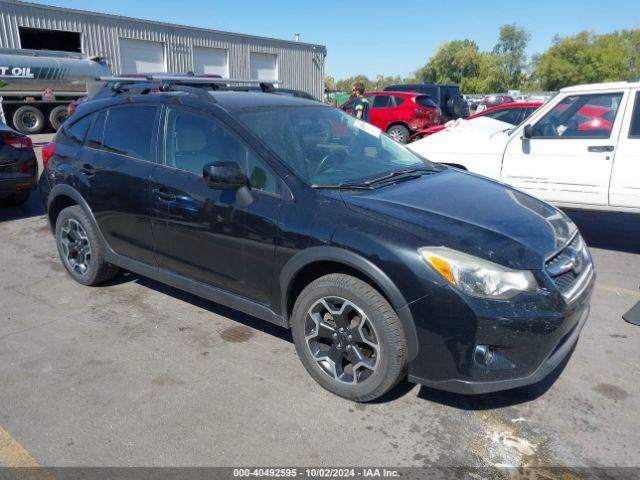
(382,263)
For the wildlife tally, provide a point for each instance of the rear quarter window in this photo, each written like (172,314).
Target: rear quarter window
(74,134)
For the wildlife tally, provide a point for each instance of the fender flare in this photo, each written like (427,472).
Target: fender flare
(69,191)
(361,264)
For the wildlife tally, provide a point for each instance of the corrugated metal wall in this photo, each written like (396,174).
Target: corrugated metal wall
(300,65)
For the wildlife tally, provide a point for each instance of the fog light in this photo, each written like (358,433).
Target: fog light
(483,355)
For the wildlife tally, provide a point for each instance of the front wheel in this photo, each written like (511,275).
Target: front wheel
(349,338)
(399,133)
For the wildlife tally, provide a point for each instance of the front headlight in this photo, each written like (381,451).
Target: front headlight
(476,276)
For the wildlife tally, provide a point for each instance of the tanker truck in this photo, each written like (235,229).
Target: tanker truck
(36,86)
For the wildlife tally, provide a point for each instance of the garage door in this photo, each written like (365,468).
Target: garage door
(141,56)
(264,66)
(210,60)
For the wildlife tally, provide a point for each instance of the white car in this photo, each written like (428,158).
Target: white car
(580,150)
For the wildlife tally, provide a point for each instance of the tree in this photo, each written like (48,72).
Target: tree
(511,47)
(451,63)
(329,82)
(589,58)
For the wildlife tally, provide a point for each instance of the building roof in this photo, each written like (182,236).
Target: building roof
(164,24)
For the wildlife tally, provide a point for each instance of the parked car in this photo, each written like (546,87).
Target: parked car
(493,101)
(399,113)
(581,149)
(18,166)
(512,113)
(447,97)
(380,262)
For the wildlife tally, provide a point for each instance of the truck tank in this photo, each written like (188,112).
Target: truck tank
(38,85)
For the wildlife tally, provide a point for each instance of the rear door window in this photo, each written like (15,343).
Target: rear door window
(129,131)
(509,115)
(397,101)
(381,101)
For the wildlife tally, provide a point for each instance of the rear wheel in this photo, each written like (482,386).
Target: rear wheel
(79,248)
(348,337)
(399,133)
(28,120)
(57,116)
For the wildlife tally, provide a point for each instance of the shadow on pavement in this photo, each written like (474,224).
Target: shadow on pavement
(32,208)
(608,230)
(463,402)
(203,303)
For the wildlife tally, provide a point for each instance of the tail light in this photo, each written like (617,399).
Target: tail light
(18,141)
(47,152)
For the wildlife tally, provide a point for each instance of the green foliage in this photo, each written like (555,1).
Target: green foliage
(511,48)
(582,58)
(589,58)
(370,85)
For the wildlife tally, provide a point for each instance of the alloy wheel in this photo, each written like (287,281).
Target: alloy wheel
(397,135)
(75,246)
(342,340)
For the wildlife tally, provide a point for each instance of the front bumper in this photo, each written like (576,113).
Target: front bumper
(528,339)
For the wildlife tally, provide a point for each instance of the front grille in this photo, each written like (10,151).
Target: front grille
(569,264)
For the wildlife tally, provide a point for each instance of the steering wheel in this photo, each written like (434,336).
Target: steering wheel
(551,128)
(328,161)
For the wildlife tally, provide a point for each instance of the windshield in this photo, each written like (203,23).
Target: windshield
(325,146)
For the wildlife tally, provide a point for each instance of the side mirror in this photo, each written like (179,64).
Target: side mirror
(224,176)
(527,132)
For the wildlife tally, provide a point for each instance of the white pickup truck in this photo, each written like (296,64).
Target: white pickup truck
(579,150)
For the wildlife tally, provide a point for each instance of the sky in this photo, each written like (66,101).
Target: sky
(382,37)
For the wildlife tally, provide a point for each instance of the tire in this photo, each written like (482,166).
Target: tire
(73,223)
(379,337)
(28,120)
(399,133)
(57,116)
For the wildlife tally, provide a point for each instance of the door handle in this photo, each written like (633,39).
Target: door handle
(163,194)
(600,148)
(87,169)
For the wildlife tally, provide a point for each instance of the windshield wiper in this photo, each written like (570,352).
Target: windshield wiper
(411,172)
(343,186)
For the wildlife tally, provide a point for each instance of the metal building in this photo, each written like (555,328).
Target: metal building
(133,45)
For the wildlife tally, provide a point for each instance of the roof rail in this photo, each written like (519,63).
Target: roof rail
(265,85)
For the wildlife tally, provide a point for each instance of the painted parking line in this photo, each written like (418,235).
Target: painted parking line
(618,290)
(14,455)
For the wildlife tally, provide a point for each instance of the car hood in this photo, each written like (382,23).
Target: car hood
(469,213)
(480,136)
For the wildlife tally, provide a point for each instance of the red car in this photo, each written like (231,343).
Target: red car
(399,113)
(513,113)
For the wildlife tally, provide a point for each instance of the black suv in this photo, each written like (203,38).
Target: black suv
(381,262)
(447,97)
